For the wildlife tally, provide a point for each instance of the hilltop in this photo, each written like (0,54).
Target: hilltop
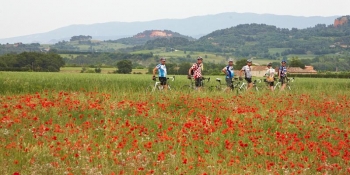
(142,38)
(341,20)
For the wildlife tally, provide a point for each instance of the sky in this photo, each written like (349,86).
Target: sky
(24,17)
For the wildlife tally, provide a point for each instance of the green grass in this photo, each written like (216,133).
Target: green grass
(306,56)
(103,46)
(210,57)
(69,56)
(103,70)
(277,50)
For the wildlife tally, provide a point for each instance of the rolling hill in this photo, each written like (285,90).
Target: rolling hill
(261,40)
(194,26)
(142,38)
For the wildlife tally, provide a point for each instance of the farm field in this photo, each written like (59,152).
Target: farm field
(211,57)
(56,123)
(103,70)
(103,46)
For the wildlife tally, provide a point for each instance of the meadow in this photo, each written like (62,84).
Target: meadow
(104,70)
(61,123)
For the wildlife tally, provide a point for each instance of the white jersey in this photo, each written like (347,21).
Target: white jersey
(247,70)
(270,72)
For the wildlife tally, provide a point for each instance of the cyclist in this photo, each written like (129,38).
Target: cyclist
(197,72)
(161,68)
(282,74)
(248,75)
(229,72)
(270,73)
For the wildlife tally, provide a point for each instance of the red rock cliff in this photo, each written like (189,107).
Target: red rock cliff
(340,21)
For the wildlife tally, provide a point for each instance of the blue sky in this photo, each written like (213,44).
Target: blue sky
(23,17)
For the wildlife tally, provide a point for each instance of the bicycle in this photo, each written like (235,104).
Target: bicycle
(267,84)
(192,85)
(235,84)
(158,86)
(244,86)
(288,83)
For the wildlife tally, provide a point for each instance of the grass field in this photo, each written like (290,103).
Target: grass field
(104,46)
(56,123)
(211,57)
(277,50)
(69,56)
(103,70)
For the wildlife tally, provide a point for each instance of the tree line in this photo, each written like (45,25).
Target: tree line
(109,59)
(31,61)
(19,48)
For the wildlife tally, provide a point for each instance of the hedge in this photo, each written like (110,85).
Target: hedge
(335,75)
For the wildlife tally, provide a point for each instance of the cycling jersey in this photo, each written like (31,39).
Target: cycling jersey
(270,72)
(283,71)
(247,70)
(197,70)
(161,70)
(230,71)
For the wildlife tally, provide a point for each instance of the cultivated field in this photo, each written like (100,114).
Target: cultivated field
(103,70)
(56,123)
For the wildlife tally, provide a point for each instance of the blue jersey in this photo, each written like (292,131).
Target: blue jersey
(283,71)
(230,71)
(161,70)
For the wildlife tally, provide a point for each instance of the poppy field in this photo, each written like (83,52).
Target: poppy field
(106,124)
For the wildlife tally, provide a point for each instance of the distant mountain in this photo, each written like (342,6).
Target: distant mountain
(193,26)
(142,38)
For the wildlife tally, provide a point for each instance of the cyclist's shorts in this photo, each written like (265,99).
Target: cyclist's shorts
(198,82)
(249,80)
(271,83)
(162,80)
(283,80)
(229,82)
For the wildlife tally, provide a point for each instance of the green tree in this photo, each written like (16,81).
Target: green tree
(124,67)
(240,63)
(275,64)
(296,62)
(183,68)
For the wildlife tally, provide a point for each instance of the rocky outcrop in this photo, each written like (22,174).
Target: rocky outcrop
(341,21)
(154,33)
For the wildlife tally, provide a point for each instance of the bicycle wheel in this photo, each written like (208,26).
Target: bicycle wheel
(171,88)
(242,88)
(289,88)
(160,88)
(277,86)
(149,89)
(221,88)
(256,88)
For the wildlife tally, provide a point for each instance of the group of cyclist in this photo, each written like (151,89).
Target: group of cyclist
(196,72)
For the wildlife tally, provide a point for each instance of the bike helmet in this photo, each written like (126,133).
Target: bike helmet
(162,59)
(199,58)
(230,60)
(270,64)
(249,61)
(283,61)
